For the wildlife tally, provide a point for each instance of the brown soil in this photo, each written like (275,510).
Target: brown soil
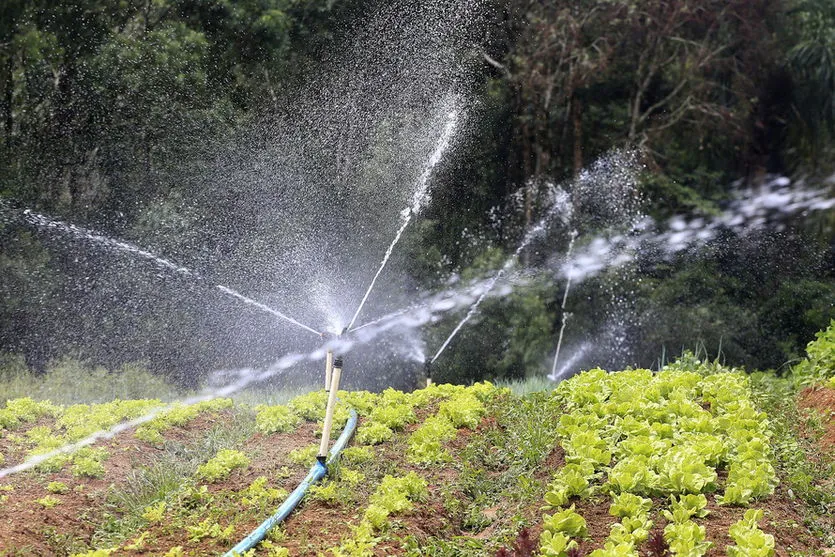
(26,528)
(822,399)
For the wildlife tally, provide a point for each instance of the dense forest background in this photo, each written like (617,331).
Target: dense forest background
(105,104)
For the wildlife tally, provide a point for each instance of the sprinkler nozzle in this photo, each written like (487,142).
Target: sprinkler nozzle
(427,368)
(344,332)
(337,362)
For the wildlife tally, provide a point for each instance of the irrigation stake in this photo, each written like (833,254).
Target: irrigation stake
(326,428)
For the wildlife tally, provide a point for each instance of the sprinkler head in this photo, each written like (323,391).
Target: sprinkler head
(337,362)
(344,332)
(427,367)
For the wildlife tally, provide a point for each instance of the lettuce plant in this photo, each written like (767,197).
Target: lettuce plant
(566,521)
(373,433)
(686,538)
(614,549)
(686,507)
(572,480)
(222,464)
(275,419)
(629,505)
(555,544)
(750,540)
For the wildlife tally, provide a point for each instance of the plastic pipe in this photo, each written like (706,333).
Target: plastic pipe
(326,428)
(328,370)
(316,473)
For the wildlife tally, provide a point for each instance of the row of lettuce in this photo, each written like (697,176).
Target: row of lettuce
(638,434)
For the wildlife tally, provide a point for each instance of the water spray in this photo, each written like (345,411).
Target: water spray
(417,202)
(43,222)
(533,233)
(565,315)
(328,425)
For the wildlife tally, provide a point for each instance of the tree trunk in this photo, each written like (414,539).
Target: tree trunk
(8,98)
(577,119)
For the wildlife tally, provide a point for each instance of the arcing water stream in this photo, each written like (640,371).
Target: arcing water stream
(559,206)
(44,222)
(418,200)
(565,315)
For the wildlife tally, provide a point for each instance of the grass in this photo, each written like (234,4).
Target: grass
(166,477)
(71,381)
(809,474)
(522,387)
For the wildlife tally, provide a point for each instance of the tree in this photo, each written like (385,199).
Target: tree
(811,61)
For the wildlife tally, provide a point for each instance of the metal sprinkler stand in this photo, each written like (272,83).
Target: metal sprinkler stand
(328,425)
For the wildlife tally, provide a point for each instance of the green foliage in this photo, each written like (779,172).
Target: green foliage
(522,318)
(394,416)
(304,455)
(155,513)
(87,462)
(750,540)
(275,419)
(394,495)
(668,431)
(88,468)
(357,455)
(210,529)
(572,480)
(686,538)
(310,406)
(260,495)
(331,492)
(631,531)
(425,445)
(177,416)
(57,487)
(463,410)
(25,410)
(686,507)
(373,433)
(819,364)
(70,381)
(567,522)
(48,502)
(629,505)
(555,544)
(219,467)
(612,549)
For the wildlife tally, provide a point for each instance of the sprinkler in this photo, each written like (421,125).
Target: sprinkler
(326,428)
(427,368)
